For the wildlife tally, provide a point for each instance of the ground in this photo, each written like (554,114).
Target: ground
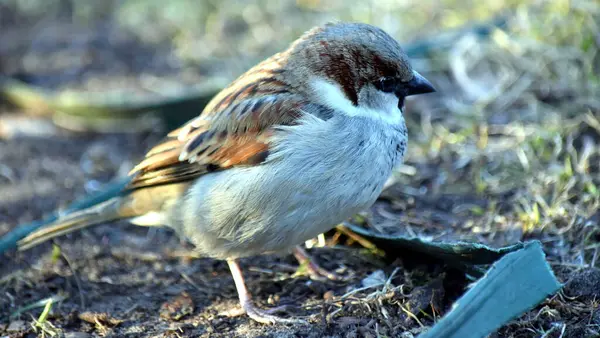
(506,151)
(128,272)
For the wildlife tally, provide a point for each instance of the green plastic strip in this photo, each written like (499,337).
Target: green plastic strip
(516,283)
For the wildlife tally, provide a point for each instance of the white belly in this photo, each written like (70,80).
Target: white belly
(308,186)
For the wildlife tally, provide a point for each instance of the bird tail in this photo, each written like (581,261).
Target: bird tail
(135,206)
(101,213)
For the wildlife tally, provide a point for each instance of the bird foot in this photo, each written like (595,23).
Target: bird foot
(316,272)
(308,266)
(265,316)
(248,307)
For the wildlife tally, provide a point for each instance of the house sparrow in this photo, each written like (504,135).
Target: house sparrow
(294,146)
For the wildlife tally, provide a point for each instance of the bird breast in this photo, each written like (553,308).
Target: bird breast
(319,173)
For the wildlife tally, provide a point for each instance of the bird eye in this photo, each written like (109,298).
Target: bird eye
(386,84)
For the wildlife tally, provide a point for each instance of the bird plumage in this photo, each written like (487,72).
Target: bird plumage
(295,145)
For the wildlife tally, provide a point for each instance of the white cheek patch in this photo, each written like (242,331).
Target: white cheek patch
(331,95)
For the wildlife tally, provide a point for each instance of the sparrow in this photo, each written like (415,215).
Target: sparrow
(297,144)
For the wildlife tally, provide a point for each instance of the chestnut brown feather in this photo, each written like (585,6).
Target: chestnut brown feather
(236,126)
(234,129)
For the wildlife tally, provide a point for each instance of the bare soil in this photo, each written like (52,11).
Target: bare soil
(121,280)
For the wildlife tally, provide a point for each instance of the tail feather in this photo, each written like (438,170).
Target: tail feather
(150,202)
(101,213)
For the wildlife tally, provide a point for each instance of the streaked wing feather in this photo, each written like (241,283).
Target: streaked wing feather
(234,129)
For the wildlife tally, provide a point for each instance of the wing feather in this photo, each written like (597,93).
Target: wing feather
(234,129)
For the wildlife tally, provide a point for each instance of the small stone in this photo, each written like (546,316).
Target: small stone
(17,326)
(77,335)
(374,279)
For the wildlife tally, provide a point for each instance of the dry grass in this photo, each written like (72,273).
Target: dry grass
(517,123)
(507,150)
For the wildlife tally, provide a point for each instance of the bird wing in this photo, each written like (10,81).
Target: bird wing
(234,129)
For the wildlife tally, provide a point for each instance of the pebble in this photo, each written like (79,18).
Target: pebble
(17,326)
(374,279)
(77,335)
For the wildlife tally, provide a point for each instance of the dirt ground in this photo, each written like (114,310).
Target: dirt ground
(121,280)
(128,273)
(506,151)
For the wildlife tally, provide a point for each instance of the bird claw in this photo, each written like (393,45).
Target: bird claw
(311,268)
(318,273)
(265,316)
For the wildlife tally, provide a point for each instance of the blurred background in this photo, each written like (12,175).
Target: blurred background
(506,150)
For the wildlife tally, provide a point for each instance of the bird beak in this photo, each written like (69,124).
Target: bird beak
(418,85)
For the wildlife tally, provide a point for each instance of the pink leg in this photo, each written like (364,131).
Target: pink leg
(315,271)
(260,315)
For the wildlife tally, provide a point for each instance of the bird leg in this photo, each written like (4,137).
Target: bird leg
(315,271)
(260,315)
